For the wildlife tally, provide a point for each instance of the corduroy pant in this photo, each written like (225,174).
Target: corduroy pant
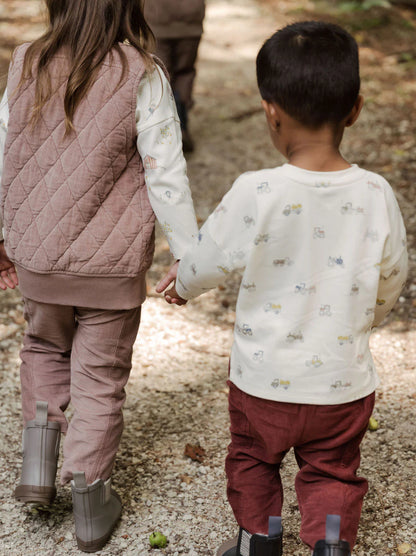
(82,356)
(326,441)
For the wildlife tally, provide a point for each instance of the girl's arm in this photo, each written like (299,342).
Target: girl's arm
(159,142)
(4,120)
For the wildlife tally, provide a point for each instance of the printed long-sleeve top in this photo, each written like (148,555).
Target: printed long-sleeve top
(324,260)
(159,143)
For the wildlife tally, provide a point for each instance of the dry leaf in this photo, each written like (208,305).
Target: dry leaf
(195,452)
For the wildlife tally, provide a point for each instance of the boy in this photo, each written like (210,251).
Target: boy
(322,244)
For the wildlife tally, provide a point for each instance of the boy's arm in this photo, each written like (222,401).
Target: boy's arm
(159,142)
(223,244)
(391,284)
(394,266)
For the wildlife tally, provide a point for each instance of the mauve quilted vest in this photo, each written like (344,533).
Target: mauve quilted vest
(77,205)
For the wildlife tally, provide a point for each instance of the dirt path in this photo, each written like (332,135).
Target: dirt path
(177,393)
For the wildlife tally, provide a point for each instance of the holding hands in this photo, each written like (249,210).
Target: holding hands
(171,295)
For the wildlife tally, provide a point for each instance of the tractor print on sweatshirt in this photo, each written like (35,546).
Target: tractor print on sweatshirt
(263,187)
(249,221)
(258,356)
(318,233)
(348,339)
(303,290)
(248,286)
(340,385)
(315,362)
(292,209)
(286,261)
(295,336)
(244,329)
(261,238)
(272,308)
(336,261)
(355,290)
(325,311)
(348,208)
(280,383)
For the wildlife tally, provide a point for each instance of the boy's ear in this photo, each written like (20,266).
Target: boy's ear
(355,112)
(271,114)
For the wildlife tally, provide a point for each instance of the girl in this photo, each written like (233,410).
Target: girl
(90,152)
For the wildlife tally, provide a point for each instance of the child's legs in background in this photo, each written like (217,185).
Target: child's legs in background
(259,442)
(179,56)
(100,367)
(45,368)
(328,460)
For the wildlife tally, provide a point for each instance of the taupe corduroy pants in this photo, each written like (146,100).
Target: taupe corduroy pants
(83,356)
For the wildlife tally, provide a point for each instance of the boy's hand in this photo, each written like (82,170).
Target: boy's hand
(8,275)
(172,297)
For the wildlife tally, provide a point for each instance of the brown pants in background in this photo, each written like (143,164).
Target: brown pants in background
(179,57)
(326,441)
(82,356)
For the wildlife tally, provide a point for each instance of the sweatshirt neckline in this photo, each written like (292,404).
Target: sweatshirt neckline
(309,177)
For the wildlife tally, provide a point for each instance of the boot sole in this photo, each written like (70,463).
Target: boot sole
(35,494)
(94,546)
(228,548)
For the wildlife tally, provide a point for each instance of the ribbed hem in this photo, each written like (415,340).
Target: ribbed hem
(83,291)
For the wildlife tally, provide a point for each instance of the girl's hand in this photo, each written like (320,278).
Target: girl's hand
(168,279)
(8,275)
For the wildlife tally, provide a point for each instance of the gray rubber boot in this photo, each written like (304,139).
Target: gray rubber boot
(40,447)
(255,545)
(97,508)
(332,545)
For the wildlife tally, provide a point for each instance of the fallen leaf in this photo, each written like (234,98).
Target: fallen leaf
(404,548)
(195,452)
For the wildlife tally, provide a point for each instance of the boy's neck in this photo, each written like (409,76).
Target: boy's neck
(317,157)
(315,150)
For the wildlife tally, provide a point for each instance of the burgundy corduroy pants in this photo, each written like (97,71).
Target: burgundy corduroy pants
(326,441)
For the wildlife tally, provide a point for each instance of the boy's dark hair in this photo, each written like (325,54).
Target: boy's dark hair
(311,70)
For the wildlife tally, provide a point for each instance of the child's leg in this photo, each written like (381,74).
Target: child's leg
(328,460)
(45,368)
(184,69)
(259,441)
(100,365)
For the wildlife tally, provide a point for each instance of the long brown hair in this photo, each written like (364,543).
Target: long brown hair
(87,30)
